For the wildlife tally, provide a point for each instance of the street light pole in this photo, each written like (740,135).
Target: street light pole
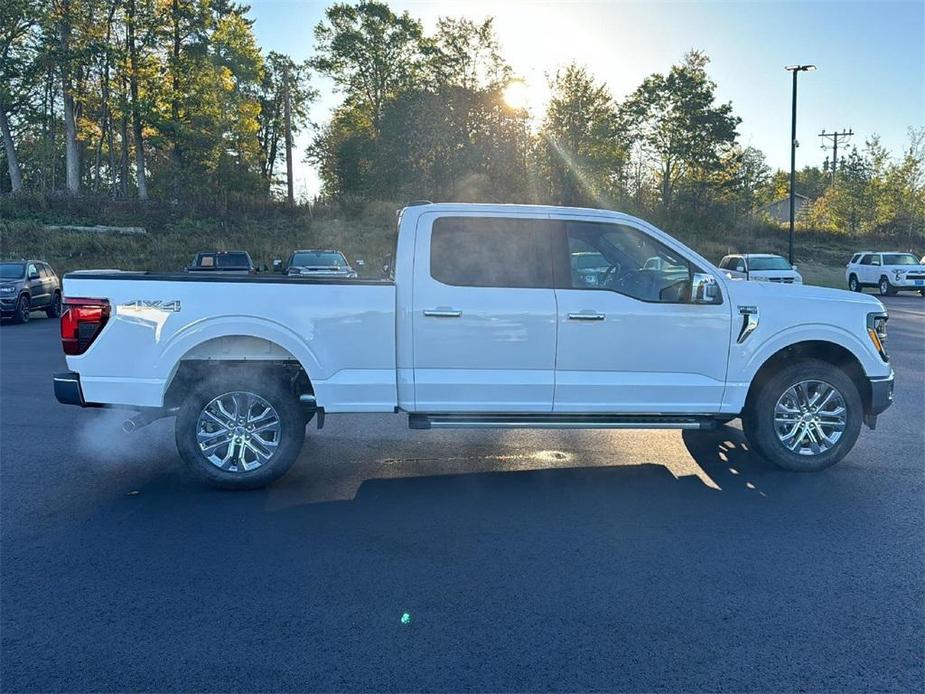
(793,149)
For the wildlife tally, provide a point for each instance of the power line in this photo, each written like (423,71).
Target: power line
(833,138)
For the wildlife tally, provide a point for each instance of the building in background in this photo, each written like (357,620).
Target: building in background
(779,210)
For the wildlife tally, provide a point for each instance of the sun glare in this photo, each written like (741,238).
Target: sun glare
(516,95)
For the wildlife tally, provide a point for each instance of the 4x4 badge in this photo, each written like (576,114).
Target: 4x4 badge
(173,306)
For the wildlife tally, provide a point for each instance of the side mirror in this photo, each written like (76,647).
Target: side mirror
(704,289)
(277,265)
(794,267)
(33,275)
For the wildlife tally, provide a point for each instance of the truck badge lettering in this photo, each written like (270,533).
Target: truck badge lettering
(172,306)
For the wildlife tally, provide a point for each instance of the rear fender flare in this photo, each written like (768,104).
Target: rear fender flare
(199,332)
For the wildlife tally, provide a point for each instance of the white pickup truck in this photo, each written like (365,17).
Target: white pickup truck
(493,319)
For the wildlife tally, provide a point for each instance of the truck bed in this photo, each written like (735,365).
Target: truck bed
(342,331)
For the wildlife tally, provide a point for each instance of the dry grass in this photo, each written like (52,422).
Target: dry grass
(172,248)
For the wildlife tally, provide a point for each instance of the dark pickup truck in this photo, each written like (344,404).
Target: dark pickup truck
(233,262)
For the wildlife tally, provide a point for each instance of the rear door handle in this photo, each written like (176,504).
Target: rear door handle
(586,315)
(442,312)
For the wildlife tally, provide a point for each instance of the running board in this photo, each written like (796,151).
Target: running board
(558,421)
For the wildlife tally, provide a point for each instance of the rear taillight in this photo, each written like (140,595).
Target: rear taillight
(81,322)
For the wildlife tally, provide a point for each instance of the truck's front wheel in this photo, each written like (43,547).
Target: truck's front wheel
(806,417)
(240,432)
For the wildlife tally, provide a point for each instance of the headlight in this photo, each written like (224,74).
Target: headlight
(876,330)
(898,274)
(7,290)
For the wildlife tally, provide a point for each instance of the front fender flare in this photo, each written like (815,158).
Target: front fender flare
(757,353)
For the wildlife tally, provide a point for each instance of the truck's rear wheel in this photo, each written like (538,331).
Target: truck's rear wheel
(240,432)
(806,417)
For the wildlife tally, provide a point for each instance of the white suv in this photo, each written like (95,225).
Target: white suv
(889,272)
(761,267)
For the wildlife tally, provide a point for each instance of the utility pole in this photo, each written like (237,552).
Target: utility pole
(833,138)
(795,69)
(288,135)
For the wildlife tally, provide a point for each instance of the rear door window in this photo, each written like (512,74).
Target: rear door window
(491,252)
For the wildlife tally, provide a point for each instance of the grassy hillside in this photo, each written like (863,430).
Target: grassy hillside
(173,239)
(273,231)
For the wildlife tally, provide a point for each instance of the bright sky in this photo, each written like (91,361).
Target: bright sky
(870,58)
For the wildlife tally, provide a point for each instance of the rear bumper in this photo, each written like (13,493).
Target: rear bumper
(68,390)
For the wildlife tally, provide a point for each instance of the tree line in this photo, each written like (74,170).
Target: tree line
(164,99)
(173,100)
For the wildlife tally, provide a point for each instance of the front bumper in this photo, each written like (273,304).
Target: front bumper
(881,397)
(881,394)
(8,304)
(67,389)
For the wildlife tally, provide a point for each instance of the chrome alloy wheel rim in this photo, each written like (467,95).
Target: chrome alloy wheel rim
(238,431)
(809,417)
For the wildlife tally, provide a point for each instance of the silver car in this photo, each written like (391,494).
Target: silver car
(319,263)
(760,267)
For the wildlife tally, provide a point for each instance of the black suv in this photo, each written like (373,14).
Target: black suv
(26,286)
(229,262)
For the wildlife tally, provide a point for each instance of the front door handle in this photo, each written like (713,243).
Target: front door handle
(586,315)
(442,312)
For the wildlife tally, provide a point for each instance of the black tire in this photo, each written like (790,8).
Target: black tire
(748,429)
(886,289)
(23,310)
(54,308)
(290,438)
(853,283)
(758,419)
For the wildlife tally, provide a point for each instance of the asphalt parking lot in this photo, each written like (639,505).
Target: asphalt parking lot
(527,560)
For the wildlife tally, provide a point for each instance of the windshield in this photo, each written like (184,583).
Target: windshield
(12,271)
(589,261)
(775,262)
(318,259)
(899,259)
(234,260)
